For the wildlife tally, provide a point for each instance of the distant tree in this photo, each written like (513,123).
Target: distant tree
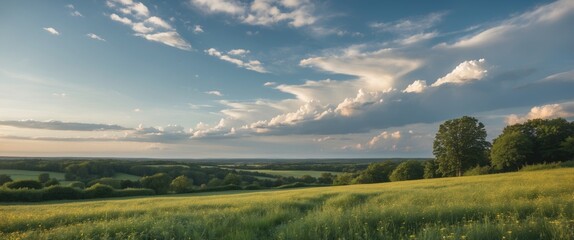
(232,178)
(115,183)
(215,182)
(325,178)
(459,145)
(567,146)
(43,177)
(407,170)
(343,179)
(158,182)
(79,185)
(429,169)
(4,179)
(51,182)
(308,179)
(511,150)
(376,173)
(31,184)
(181,184)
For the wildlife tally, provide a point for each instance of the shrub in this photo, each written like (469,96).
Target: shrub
(542,166)
(4,179)
(51,182)
(115,183)
(181,184)
(99,191)
(567,164)
(408,170)
(478,170)
(60,192)
(31,184)
(158,182)
(20,195)
(79,185)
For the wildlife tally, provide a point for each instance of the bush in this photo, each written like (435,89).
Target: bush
(99,191)
(567,164)
(20,195)
(408,170)
(4,179)
(79,185)
(30,184)
(115,183)
(478,170)
(51,182)
(60,193)
(158,182)
(542,166)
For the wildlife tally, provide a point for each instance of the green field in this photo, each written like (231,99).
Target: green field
(289,173)
(522,205)
(33,175)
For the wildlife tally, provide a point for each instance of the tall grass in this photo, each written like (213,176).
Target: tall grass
(523,205)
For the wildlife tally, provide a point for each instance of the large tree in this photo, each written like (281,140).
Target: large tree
(511,150)
(459,145)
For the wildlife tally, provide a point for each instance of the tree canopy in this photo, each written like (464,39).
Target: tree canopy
(459,145)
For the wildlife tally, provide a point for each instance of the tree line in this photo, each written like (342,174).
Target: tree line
(460,148)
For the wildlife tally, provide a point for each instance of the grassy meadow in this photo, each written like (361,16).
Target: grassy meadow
(289,173)
(520,205)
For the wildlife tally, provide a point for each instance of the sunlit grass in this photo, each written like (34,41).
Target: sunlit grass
(524,205)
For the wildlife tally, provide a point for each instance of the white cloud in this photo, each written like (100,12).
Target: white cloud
(465,72)
(220,6)
(123,20)
(216,93)
(172,39)
(197,29)
(52,30)
(377,70)
(239,52)
(73,10)
(567,76)
(419,37)
(417,86)
(253,65)
(412,25)
(296,13)
(95,37)
(269,84)
(350,106)
(383,136)
(155,29)
(558,110)
(137,110)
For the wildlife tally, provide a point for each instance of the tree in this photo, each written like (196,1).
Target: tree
(4,179)
(376,173)
(215,182)
(567,146)
(343,179)
(181,184)
(158,182)
(325,178)
(429,169)
(308,179)
(232,178)
(43,177)
(52,182)
(510,151)
(460,144)
(408,170)
(30,184)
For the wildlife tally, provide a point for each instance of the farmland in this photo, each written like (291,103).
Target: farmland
(520,205)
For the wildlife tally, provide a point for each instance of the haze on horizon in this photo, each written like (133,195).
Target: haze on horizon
(274,78)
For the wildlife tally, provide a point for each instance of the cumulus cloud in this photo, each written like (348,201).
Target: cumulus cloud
(269,84)
(557,110)
(384,135)
(297,13)
(216,93)
(197,29)
(51,30)
(465,72)
(73,11)
(152,28)
(351,105)
(417,86)
(253,65)
(95,37)
(63,126)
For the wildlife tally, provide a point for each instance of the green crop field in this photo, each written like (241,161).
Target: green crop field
(289,173)
(521,205)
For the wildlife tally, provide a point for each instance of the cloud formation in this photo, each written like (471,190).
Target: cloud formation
(95,37)
(51,30)
(297,13)
(557,110)
(216,93)
(152,28)
(465,72)
(62,126)
(253,65)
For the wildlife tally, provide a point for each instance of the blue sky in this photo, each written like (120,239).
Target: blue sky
(274,78)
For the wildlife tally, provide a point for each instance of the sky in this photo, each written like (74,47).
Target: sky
(274,78)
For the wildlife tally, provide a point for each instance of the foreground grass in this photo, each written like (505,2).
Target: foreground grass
(524,205)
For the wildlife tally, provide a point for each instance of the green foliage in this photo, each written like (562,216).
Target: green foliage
(4,179)
(43,177)
(523,205)
(511,150)
(376,173)
(325,178)
(408,170)
(429,169)
(568,146)
(51,182)
(215,182)
(540,166)
(232,178)
(478,170)
(30,184)
(293,185)
(60,193)
(459,145)
(158,182)
(308,179)
(344,179)
(181,184)
(99,190)
(115,183)
(130,192)
(79,185)
(567,164)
